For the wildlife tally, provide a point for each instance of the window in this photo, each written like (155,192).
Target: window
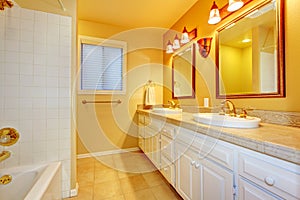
(103,64)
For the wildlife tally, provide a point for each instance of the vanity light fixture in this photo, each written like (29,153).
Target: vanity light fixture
(5,3)
(234,5)
(185,38)
(176,43)
(204,46)
(169,47)
(214,14)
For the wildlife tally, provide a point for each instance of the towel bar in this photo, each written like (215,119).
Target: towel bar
(85,101)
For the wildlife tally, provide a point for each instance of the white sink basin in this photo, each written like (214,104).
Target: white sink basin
(167,110)
(226,121)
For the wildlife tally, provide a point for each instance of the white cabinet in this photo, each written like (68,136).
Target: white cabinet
(198,176)
(141,133)
(149,138)
(168,170)
(217,182)
(274,176)
(156,156)
(152,146)
(201,167)
(188,173)
(168,133)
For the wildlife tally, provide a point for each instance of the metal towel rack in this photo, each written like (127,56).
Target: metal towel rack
(85,101)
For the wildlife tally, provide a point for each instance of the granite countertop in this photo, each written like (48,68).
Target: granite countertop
(275,140)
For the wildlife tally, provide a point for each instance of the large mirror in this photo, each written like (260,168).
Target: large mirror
(250,54)
(183,73)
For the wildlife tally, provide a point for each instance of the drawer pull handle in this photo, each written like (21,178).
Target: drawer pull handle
(193,162)
(269,181)
(165,169)
(197,165)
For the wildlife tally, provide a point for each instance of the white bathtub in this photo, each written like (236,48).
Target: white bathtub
(38,182)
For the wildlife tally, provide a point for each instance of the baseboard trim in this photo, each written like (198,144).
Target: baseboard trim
(103,153)
(74,192)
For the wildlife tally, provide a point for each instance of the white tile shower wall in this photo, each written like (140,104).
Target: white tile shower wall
(35,90)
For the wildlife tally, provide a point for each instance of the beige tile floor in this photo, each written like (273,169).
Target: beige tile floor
(125,176)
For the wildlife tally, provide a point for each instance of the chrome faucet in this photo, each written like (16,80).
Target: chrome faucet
(227,104)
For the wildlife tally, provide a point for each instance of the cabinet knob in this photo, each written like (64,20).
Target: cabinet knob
(165,169)
(269,181)
(193,162)
(197,165)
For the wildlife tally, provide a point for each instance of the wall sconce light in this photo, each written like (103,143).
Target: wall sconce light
(214,14)
(204,46)
(234,5)
(5,3)
(176,43)
(169,47)
(185,38)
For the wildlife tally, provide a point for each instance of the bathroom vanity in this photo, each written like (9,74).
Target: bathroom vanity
(205,162)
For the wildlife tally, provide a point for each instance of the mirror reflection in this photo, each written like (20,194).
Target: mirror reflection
(183,76)
(247,56)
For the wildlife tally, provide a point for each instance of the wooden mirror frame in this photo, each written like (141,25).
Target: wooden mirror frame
(193,49)
(280,56)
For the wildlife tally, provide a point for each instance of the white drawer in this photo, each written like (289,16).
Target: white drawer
(185,136)
(155,124)
(217,151)
(169,131)
(149,132)
(248,191)
(279,177)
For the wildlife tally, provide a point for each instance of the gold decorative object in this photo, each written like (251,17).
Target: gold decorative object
(5,3)
(204,46)
(8,136)
(4,155)
(5,179)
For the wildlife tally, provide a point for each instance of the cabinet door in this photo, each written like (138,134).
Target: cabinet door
(248,191)
(196,181)
(141,128)
(188,174)
(217,182)
(148,144)
(142,143)
(156,150)
(168,170)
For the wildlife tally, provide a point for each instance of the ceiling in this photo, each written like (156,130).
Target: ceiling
(134,13)
(126,13)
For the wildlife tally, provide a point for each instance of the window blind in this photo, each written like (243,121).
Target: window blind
(101,68)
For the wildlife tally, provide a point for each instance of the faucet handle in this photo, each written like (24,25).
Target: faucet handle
(222,111)
(243,113)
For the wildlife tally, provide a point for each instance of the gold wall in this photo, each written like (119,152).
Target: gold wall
(197,16)
(105,127)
